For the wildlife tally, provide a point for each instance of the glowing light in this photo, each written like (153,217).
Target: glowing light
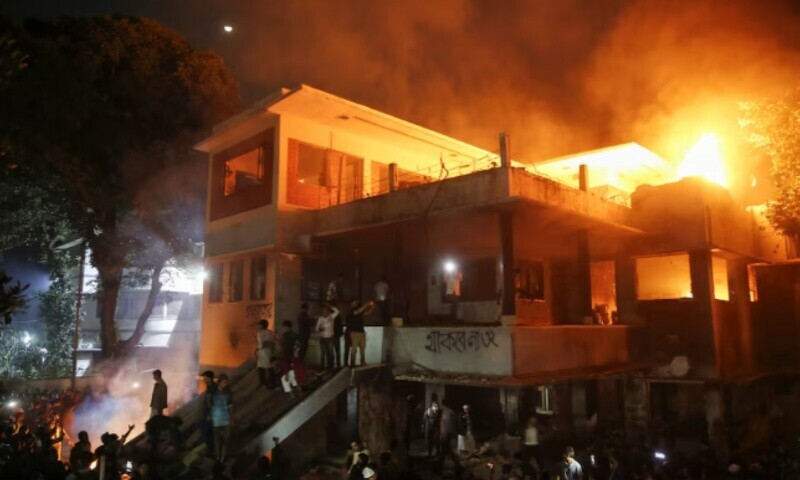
(135,385)
(228,28)
(449,266)
(26,338)
(93,465)
(12,404)
(704,160)
(203,274)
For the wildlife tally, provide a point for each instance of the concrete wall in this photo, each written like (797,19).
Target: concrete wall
(539,350)
(228,334)
(246,230)
(476,350)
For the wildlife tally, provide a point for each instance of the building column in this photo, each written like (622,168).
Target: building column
(352,414)
(508,308)
(702,282)
(637,406)
(584,266)
(509,403)
(584,275)
(715,419)
(578,398)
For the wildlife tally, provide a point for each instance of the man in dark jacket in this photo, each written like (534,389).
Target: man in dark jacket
(158,402)
(430,426)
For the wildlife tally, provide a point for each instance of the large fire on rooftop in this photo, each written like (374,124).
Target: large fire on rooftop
(704,160)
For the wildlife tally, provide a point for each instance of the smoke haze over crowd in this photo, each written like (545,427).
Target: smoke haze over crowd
(561,77)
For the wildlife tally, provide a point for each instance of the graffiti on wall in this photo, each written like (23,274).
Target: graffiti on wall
(460,341)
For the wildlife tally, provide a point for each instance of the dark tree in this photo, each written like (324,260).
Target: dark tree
(100,125)
(773,128)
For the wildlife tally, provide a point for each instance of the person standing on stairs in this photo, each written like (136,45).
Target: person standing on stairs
(266,346)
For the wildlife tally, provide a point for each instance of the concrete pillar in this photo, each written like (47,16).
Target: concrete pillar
(563,407)
(584,275)
(637,406)
(715,419)
(609,407)
(509,403)
(702,299)
(584,266)
(508,310)
(578,399)
(505,150)
(352,414)
(583,177)
(625,276)
(392,177)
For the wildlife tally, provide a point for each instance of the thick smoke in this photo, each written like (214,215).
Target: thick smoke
(560,76)
(124,398)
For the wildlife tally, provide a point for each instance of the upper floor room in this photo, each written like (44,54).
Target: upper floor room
(304,163)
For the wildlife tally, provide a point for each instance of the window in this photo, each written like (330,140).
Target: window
(544,406)
(244,172)
(215,283)
(311,165)
(663,277)
(604,291)
(241,176)
(752,283)
(236,281)
(478,280)
(719,271)
(529,281)
(258,278)
(380,178)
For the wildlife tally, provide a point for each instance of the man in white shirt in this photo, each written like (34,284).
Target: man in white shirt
(326,337)
(532,448)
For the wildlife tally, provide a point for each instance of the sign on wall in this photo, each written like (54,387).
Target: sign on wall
(477,350)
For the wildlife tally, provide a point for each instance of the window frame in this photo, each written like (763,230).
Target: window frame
(231,279)
(222,205)
(263,293)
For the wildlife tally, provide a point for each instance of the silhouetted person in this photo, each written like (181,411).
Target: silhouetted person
(158,401)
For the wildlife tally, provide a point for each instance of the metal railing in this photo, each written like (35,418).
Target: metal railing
(354,188)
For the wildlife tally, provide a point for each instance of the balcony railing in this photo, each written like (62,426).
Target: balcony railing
(350,189)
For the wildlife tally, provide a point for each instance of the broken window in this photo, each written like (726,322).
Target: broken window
(663,277)
(244,172)
(604,292)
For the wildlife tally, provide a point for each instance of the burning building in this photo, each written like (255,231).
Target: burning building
(592,289)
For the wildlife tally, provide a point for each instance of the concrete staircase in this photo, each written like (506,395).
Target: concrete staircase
(258,416)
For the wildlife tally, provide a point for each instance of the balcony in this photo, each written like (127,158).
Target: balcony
(479,188)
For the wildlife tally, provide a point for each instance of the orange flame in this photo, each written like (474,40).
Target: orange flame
(704,160)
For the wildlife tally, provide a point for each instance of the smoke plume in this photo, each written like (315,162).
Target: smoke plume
(560,76)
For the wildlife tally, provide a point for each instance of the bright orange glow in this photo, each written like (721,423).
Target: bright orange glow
(704,160)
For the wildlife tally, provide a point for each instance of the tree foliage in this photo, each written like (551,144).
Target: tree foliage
(101,121)
(12,297)
(773,128)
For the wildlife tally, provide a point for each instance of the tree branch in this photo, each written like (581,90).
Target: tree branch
(125,347)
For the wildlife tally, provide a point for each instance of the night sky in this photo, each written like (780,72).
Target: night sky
(560,76)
